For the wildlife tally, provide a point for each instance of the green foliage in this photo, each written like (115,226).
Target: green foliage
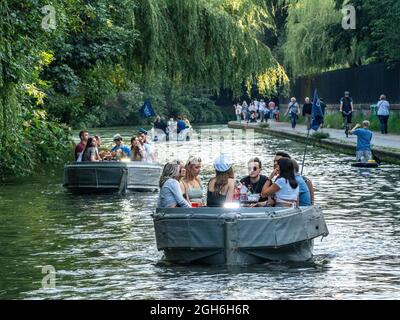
(316,42)
(308,47)
(319,135)
(264,125)
(208,43)
(335,121)
(105,57)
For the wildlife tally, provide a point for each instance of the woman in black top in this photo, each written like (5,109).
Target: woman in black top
(221,188)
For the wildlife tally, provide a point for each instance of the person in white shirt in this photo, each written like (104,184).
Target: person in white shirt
(285,187)
(383,108)
(238,112)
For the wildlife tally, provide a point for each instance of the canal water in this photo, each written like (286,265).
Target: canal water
(103,246)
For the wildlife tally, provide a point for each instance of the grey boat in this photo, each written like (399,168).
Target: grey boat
(220,236)
(111,176)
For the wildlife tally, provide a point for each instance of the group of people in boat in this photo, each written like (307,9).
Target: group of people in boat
(180,185)
(89,148)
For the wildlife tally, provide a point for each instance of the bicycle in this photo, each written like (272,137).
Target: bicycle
(347,124)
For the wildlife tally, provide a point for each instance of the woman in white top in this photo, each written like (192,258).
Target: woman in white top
(285,188)
(238,112)
(383,113)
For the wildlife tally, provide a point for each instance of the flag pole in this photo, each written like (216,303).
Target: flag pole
(314,124)
(305,151)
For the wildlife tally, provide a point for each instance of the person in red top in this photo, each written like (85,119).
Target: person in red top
(84,136)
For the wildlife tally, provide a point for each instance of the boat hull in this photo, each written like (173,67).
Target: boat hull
(111,176)
(365,165)
(218,236)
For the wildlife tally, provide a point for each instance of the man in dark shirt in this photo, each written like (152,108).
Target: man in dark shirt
(307,111)
(347,107)
(255,181)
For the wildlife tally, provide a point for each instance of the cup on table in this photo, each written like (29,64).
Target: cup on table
(195,204)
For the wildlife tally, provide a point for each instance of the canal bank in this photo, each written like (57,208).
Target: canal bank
(386,147)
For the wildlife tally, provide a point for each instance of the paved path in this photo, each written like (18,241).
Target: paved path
(391,141)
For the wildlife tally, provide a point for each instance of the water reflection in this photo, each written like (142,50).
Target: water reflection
(103,246)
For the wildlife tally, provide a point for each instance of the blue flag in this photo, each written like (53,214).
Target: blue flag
(147,110)
(317,116)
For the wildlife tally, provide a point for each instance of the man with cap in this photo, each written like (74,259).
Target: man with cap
(221,188)
(120,148)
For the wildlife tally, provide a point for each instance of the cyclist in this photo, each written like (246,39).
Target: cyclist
(347,109)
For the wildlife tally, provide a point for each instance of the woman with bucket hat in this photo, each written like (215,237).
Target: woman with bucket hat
(221,188)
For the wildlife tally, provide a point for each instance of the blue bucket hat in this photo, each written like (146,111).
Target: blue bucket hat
(141,130)
(223,163)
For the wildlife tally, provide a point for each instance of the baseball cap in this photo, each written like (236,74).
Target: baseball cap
(117,137)
(222,163)
(141,130)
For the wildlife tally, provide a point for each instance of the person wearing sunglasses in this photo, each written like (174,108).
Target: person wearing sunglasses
(255,181)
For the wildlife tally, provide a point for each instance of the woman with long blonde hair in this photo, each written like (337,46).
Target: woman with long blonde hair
(170,193)
(222,187)
(191,184)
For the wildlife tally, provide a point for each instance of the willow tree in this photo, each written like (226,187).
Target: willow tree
(26,137)
(309,47)
(215,44)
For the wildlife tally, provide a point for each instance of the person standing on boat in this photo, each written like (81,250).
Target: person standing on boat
(191,184)
(221,188)
(364,137)
(255,181)
(170,192)
(84,136)
(285,187)
(120,148)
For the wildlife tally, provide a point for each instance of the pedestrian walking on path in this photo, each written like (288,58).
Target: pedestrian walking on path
(383,109)
(307,111)
(293,112)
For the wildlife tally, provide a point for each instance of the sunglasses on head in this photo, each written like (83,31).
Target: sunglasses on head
(194,160)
